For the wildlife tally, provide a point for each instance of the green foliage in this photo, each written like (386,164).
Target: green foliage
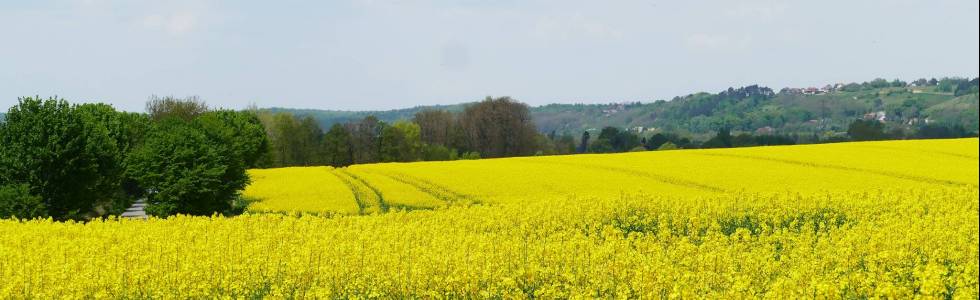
(62,153)
(119,133)
(939,131)
(667,146)
(294,141)
(721,140)
(159,108)
(584,142)
(499,127)
(866,130)
(337,149)
(470,155)
(601,146)
(611,139)
(437,152)
(656,140)
(240,130)
(16,201)
(400,142)
(184,169)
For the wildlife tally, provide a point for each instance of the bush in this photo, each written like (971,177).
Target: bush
(184,171)
(667,146)
(866,130)
(16,201)
(470,155)
(436,152)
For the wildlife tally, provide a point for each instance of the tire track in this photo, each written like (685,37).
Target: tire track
(656,177)
(922,151)
(382,205)
(921,179)
(353,189)
(437,191)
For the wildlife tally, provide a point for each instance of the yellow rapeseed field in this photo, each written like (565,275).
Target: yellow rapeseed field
(893,219)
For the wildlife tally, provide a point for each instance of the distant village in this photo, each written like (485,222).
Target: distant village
(813,90)
(914,87)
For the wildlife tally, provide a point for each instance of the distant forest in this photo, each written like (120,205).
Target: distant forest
(824,112)
(736,117)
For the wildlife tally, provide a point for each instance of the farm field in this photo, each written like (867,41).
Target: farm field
(689,174)
(891,219)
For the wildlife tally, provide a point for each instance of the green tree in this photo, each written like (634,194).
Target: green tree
(499,127)
(656,141)
(437,152)
(159,108)
(721,140)
(184,171)
(49,146)
(117,133)
(602,146)
(866,130)
(435,126)
(400,142)
(294,141)
(584,143)
(565,144)
(240,130)
(366,138)
(336,145)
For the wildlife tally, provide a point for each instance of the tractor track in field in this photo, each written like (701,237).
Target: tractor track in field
(921,179)
(656,177)
(353,190)
(437,191)
(964,156)
(382,205)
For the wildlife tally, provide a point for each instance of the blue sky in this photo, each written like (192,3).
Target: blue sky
(391,54)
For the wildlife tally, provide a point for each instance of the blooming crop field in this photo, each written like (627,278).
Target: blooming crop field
(892,219)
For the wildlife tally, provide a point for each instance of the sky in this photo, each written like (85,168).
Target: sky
(376,55)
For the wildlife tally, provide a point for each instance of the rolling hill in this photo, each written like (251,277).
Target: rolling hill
(746,109)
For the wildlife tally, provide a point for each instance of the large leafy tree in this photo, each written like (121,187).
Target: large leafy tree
(117,133)
(60,153)
(183,170)
(499,127)
(400,142)
(240,130)
(337,150)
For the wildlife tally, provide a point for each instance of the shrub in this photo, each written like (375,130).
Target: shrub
(16,201)
(667,146)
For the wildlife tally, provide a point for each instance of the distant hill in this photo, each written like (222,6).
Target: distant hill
(749,109)
(756,108)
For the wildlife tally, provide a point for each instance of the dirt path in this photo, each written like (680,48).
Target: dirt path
(136,210)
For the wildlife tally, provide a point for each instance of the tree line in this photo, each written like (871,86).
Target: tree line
(80,161)
(494,127)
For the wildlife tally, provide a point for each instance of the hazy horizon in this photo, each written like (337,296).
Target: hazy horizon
(378,55)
